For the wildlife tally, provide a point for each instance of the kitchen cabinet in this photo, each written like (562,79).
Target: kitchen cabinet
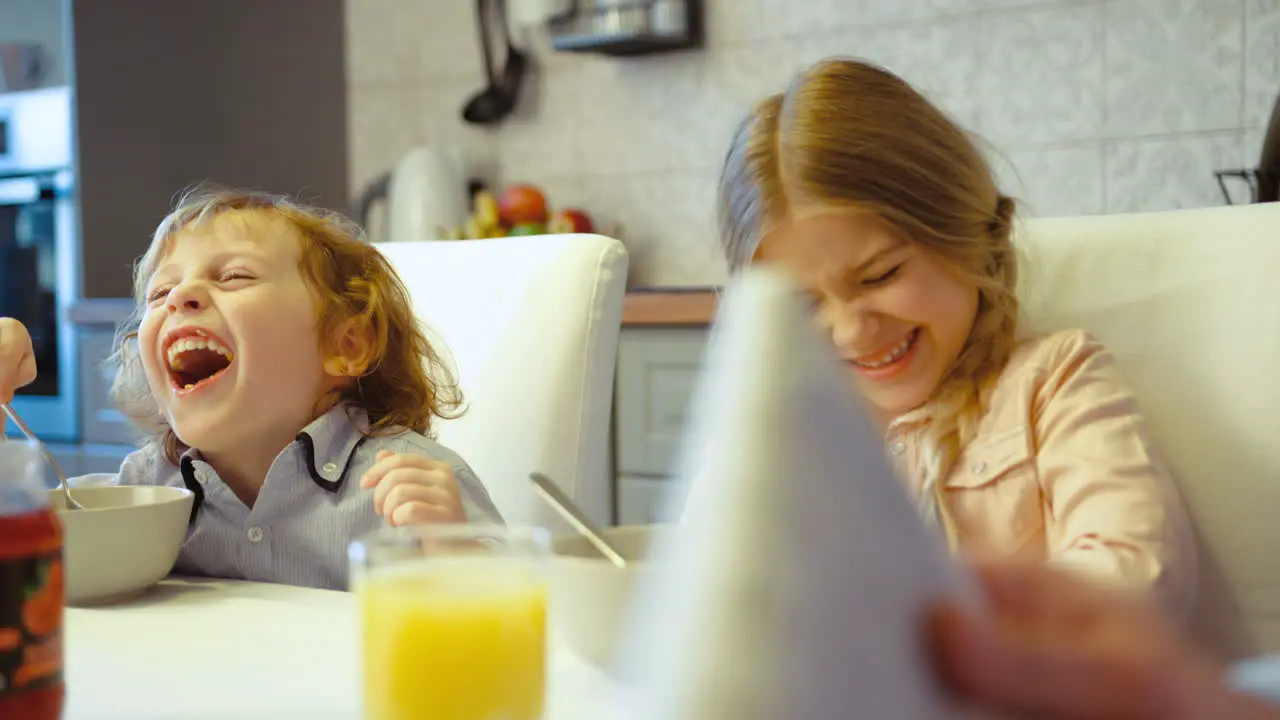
(107,436)
(643,500)
(100,422)
(660,358)
(77,460)
(656,374)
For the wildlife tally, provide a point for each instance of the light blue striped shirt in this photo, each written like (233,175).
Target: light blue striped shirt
(309,509)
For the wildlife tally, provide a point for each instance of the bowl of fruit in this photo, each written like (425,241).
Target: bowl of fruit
(520,210)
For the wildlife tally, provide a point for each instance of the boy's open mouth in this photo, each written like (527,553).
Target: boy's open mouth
(195,360)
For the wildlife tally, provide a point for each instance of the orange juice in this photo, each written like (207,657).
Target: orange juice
(454,639)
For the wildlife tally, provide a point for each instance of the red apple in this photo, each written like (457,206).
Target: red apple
(571,221)
(521,204)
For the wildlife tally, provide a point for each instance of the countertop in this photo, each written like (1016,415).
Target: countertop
(643,307)
(693,307)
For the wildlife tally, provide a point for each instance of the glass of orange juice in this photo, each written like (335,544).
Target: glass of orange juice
(454,621)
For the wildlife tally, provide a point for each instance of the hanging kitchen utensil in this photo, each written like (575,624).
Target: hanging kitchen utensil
(498,99)
(517,63)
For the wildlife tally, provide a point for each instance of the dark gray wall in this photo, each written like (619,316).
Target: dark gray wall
(250,93)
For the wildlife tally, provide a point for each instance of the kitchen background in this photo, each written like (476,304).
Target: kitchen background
(107,111)
(1084,106)
(1095,106)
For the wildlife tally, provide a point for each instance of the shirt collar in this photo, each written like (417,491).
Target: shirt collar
(328,445)
(919,416)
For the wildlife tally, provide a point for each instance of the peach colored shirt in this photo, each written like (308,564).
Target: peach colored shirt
(1062,469)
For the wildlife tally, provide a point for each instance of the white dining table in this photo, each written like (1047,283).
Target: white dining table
(206,649)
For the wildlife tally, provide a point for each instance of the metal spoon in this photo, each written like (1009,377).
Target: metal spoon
(556,498)
(62,477)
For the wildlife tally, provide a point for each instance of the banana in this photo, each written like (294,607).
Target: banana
(486,209)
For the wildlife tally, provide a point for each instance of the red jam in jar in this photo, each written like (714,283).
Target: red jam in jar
(31,589)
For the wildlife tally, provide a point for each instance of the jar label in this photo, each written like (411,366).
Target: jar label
(31,598)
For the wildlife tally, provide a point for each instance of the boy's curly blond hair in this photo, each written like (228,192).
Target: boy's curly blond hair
(407,384)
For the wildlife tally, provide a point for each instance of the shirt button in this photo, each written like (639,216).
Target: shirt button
(898,448)
(330,467)
(255,534)
(978,467)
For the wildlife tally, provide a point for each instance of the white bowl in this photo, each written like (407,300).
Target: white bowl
(125,540)
(590,596)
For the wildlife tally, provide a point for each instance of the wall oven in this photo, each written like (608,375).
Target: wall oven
(39,254)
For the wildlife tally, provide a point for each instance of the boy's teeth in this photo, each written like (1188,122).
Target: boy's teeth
(195,343)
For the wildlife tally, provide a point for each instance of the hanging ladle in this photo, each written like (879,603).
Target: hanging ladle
(496,101)
(62,477)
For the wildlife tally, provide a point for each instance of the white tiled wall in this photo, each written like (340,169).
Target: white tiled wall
(1085,106)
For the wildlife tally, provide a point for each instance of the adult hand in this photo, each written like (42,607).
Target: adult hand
(1051,645)
(17,360)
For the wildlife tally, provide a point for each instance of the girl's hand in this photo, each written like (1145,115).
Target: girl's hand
(1051,645)
(17,360)
(411,490)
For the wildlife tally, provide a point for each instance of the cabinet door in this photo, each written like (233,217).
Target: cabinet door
(644,500)
(79,460)
(657,371)
(103,458)
(69,460)
(100,420)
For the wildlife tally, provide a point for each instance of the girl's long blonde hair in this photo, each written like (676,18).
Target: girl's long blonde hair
(849,134)
(407,384)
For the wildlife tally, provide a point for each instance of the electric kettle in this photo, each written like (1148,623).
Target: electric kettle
(426,195)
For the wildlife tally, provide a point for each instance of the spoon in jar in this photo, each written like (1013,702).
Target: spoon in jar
(62,477)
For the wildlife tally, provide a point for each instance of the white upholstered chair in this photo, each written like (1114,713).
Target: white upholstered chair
(531,325)
(1189,302)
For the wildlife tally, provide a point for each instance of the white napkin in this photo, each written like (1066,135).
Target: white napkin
(796,583)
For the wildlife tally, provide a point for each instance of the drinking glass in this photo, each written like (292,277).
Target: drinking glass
(453,621)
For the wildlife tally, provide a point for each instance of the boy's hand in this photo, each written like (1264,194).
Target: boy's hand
(17,360)
(410,489)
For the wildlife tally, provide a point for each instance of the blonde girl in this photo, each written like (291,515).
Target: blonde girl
(887,214)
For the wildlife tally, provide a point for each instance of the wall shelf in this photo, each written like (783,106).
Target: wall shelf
(629,28)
